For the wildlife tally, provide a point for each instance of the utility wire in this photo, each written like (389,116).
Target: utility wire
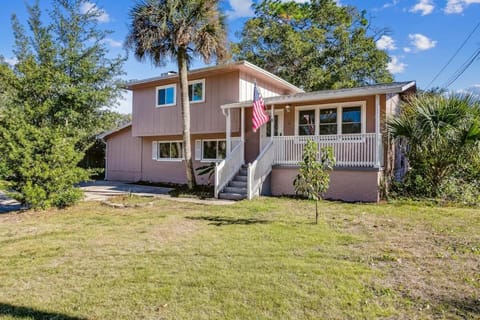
(455,54)
(462,69)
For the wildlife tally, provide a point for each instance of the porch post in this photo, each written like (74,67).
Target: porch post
(272,123)
(378,134)
(242,124)
(229,132)
(242,131)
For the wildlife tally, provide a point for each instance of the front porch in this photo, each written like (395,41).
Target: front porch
(351,128)
(352,151)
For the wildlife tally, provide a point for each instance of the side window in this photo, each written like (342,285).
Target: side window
(167,150)
(196,91)
(211,149)
(166,96)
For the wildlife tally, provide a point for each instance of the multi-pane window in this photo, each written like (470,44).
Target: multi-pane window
(196,91)
(352,120)
(214,149)
(306,124)
(328,121)
(167,150)
(331,119)
(166,96)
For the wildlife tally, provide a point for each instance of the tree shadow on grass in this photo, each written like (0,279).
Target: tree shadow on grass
(225,221)
(30,313)
(467,308)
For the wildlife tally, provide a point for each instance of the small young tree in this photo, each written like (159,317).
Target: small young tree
(313,178)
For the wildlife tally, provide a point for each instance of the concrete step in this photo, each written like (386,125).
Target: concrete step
(235,190)
(240,178)
(238,184)
(232,196)
(242,172)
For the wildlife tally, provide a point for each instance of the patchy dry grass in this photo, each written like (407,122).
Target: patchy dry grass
(262,259)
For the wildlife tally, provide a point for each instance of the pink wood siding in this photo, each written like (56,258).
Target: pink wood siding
(171,171)
(346,185)
(123,156)
(206,117)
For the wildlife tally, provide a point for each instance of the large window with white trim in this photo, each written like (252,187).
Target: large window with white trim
(340,118)
(351,120)
(196,91)
(210,149)
(167,150)
(166,95)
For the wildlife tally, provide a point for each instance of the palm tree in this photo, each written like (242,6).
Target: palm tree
(181,30)
(437,133)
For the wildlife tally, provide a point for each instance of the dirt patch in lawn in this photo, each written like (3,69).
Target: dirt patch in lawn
(435,270)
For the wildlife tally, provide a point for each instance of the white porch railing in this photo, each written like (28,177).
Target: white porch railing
(228,167)
(350,150)
(259,170)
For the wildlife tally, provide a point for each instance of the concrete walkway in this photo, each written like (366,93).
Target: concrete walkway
(102,190)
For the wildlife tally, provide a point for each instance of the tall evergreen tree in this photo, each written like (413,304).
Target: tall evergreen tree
(181,30)
(62,82)
(315,45)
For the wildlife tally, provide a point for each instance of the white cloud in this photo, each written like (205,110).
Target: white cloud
(386,43)
(11,61)
(395,66)
(390,4)
(89,7)
(124,103)
(421,42)
(474,90)
(424,6)
(458,6)
(112,43)
(240,8)
(407,49)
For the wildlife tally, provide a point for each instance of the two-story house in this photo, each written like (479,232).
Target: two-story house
(352,121)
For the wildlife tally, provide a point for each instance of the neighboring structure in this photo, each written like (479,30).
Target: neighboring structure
(352,121)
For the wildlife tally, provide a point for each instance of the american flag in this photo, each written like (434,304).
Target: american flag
(259,116)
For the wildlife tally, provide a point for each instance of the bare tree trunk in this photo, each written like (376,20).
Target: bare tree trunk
(187,144)
(316,211)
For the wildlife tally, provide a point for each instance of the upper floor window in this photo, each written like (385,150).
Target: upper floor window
(166,96)
(196,90)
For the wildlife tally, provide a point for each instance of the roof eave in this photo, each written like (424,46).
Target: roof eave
(105,134)
(325,96)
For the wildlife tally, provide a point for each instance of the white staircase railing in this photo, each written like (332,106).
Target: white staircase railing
(259,170)
(228,167)
(350,150)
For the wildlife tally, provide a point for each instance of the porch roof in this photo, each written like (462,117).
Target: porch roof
(384,88)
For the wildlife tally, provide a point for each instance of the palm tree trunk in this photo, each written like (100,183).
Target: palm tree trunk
(187,145)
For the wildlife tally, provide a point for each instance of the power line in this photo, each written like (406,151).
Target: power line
(455,54)
(462,69)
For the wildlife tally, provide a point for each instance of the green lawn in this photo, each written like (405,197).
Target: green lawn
(262,259)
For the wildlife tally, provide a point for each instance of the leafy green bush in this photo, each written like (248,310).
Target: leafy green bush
(440,135)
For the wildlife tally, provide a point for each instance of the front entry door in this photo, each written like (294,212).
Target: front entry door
(265,130)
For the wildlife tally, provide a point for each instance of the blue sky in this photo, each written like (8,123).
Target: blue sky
(422,35)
